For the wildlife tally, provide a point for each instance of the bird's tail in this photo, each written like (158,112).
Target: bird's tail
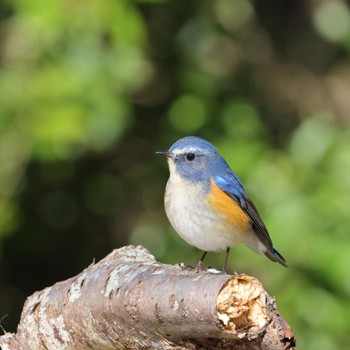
(274,255)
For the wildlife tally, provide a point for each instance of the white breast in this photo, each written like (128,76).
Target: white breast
(193,218)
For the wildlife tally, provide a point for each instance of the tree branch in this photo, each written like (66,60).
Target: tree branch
(130,301)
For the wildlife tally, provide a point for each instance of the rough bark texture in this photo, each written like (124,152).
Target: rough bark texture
(130,301)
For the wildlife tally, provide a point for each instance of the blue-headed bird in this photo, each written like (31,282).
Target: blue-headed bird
(207,205)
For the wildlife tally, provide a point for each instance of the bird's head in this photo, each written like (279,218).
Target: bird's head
(193,158)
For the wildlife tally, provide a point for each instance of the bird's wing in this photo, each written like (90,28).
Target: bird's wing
(231,185)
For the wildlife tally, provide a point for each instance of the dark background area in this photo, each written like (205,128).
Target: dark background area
(91,89)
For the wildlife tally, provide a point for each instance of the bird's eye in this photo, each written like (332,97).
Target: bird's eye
(190,157)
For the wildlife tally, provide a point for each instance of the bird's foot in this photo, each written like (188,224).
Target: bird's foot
(198,267)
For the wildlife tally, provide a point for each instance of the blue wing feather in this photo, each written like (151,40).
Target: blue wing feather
(232,186)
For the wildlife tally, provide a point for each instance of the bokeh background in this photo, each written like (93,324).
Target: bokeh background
(90,89)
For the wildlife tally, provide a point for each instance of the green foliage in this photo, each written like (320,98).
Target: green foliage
(89,90)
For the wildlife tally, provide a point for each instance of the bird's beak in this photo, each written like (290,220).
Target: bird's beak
(164,154)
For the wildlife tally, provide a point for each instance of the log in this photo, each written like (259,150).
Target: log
(128,300)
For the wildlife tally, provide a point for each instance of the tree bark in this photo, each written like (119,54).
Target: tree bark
(130,301)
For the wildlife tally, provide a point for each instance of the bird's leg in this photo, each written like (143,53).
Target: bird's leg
(198,266)
(226,258)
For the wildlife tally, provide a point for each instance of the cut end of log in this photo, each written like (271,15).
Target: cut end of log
(241,305)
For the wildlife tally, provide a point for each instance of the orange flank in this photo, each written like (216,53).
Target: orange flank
(228,207)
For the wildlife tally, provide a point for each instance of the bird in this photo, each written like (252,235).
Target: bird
(207,205)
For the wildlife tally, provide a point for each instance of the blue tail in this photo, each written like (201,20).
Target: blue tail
(274,255)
